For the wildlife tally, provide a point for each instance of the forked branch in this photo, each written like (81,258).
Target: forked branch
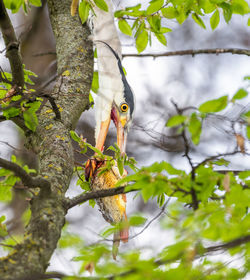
(12,47)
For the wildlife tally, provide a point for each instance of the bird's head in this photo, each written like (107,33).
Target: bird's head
(115,101)
(120,111)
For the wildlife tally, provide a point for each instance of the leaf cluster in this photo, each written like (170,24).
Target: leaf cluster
(18,102)
(193,122)
(142,23)
(15,5)
(8,180)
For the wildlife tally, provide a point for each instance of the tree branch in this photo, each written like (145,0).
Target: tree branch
(94,195)
(231,244)
(192,52)
(29,181)
(195,202)
(157,263)
(217,156)
(12,47)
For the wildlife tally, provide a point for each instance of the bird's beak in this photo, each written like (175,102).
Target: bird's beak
(120,123)
(121,133)
(102,134)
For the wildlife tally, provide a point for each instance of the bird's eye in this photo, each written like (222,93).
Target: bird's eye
(124,107)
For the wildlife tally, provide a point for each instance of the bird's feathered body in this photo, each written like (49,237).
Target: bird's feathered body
(112,208)
(114,101)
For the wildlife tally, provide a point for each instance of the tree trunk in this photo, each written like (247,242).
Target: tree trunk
(52,144)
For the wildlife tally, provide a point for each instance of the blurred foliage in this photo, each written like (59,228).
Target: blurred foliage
(208,208)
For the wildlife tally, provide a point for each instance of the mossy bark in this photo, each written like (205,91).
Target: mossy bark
(52,144)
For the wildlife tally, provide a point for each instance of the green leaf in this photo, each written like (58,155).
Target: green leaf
(141,41)
(215,105)
(227,11)
(137,221)
(133,8)
(36,3)
(91,100)
(34,106)
(248,132)
(169,12)
(84,8)
(176,120)
(30,119)
(13,5)
(161,199)
(95,82)
(92,203)
(108,232)
(2,219)
(175,250)
(101,4)
(27,74)
(3,228)
(75,136)
(244,174)
(207,6)
(161,38)
(241,93)
(221,162)
(194,128)
(155,23)
(11,112)
(69,240)
(120,165)
(215,19)
(182,15)
(5,191)
(248,22)
(25,9)
(125,27)
(198,20)
(154,6)
(165,30)
(240,7)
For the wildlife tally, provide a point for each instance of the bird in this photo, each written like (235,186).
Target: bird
(120,108)
(116,104)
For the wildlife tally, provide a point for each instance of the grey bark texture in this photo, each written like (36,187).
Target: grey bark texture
(52,144)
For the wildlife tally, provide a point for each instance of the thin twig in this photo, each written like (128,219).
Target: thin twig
(192,52)
(7,144)
(195,202)
(53,105)
(44,53)
(150,222)
(218,156)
